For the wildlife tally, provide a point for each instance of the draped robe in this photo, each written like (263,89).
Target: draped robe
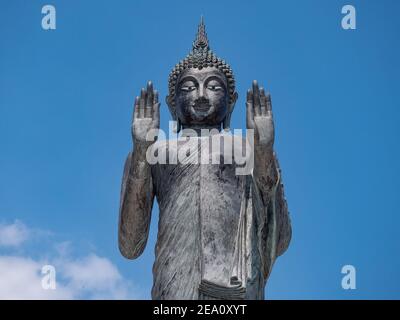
(217,237)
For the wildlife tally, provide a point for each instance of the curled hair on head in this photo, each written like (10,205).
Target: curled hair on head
(200,57)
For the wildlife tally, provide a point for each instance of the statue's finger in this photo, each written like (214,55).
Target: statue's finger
(156,115)
(256,99)
(156,108)
(155,99)
(142,103)
(136,108)
(269,103)
(149,86)
(263,102)
(250,116)
(249,110)
(149,100)
(249,96)
(150,94)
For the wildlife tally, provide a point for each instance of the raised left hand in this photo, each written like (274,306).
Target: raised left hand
(259,116)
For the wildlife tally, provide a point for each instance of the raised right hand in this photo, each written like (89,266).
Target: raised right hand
(146,115)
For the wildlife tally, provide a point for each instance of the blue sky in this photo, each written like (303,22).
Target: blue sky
(66,104)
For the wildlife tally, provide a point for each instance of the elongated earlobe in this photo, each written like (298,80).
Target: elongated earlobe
(172,110)
(170,107)
(226,124)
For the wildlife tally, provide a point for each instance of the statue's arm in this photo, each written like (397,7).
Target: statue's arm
(275,229)
(266,172)
(267,176)
(137,192)
(278,219)
(283,224)
(259,119)
(137,196)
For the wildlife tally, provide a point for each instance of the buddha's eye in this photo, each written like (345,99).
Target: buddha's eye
(188,86)
(214,86)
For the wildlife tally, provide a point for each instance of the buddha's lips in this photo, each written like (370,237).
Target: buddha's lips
(202,107)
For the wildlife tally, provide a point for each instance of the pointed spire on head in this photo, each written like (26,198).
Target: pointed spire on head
(201,41)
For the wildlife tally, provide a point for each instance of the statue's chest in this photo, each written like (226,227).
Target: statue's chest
(215,187)
(202,186)
(207,172)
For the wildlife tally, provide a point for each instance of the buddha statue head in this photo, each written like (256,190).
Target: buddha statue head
(201,88)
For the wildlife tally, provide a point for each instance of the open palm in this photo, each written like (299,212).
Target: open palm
(259,115)
(146,115)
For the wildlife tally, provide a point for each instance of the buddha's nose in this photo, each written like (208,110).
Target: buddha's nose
(201,91)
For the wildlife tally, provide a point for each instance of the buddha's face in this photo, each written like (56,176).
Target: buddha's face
(202,97)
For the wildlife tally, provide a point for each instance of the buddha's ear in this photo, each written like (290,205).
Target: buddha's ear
(227,121)
(168,100)
(234,99)
(172,110)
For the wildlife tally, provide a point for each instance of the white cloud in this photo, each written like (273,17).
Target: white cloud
(20,278)
(95,276)
(13,235)
(87,277)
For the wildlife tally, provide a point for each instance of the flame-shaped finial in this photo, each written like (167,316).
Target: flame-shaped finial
(201,41)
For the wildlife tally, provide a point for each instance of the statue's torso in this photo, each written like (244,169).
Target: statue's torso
(200,208)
